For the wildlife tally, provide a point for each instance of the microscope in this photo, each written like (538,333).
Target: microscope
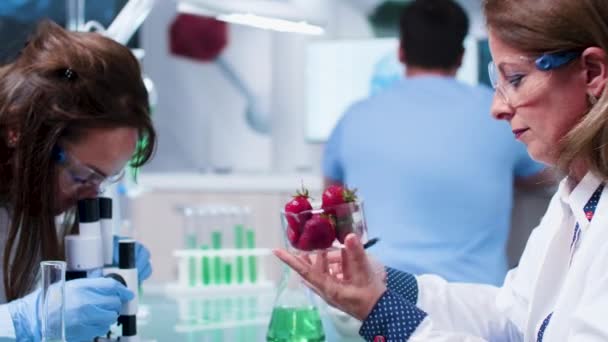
(84,251)
(89,254)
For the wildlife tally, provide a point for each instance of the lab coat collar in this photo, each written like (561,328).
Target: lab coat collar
(576,199)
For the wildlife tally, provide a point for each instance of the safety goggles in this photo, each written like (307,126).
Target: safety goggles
(81,175)
(522,78)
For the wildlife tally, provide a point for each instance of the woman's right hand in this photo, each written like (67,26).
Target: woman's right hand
(353,287)
(91,306)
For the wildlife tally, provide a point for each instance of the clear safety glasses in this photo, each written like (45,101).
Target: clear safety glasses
(520,79)
(78,174)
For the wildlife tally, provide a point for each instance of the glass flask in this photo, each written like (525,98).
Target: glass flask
(295,317)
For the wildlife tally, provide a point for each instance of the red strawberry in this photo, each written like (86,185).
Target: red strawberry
(336,201)
(293,236)
(346,225)
(336,195)
(319,233)
(295,217)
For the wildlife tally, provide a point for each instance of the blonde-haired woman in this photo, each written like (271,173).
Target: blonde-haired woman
(550,68)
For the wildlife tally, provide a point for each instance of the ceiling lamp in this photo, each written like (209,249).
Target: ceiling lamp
(279,15)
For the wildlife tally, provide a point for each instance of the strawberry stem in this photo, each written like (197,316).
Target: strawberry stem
(302,192)
(349,195)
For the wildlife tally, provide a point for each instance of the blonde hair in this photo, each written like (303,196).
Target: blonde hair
(541,26)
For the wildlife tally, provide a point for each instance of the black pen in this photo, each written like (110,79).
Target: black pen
(370,243)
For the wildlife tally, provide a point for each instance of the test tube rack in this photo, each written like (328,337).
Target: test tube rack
(220,271)
(220,252)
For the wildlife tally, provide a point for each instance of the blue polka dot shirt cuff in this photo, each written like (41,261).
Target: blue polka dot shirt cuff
(393,318)
(403,284)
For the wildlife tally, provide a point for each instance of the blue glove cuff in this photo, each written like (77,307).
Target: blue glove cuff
(25,319)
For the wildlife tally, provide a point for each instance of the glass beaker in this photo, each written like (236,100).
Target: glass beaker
(52,303)
(294,318)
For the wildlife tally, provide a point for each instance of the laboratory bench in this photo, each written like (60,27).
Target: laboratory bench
(236,317)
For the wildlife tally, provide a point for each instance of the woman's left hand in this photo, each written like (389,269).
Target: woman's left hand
(142,259)
(357,288)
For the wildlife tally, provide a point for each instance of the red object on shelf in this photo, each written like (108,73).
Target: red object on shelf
(197,37)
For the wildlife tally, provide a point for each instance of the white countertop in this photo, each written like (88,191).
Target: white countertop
(233,182)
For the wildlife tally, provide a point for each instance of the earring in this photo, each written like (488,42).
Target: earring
(591,99)
(12,139)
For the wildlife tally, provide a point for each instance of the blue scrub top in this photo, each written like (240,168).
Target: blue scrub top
(436,172)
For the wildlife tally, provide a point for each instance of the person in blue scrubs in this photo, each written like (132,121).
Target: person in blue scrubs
(435,171)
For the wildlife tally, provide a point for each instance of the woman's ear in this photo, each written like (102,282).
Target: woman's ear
(595,64)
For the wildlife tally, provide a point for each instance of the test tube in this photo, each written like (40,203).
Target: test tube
(216,244)
(52,308)
(203,222)
(190,216)
(228,273)
(206,267)
(252,260)
(239,237)
(253,269)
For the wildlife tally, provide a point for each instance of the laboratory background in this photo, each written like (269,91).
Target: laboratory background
(244,95)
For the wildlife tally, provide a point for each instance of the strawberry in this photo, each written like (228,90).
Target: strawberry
(293,236)
(335,195)
(319,233)
(294,214)
(335,202)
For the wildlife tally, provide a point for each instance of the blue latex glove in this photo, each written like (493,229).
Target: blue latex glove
(142,259)
(91,306)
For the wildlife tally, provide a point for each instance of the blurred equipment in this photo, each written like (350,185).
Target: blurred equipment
(122,28)
(197,37)
(203,39)
(295,16)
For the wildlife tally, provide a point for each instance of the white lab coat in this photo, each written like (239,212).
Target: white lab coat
(544,282)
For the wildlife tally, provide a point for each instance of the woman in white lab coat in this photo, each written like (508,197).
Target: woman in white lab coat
(550,72)
(73,112)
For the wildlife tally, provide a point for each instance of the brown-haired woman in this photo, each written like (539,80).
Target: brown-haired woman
(550,72)
(73,112)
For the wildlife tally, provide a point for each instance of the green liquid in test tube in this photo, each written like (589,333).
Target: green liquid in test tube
(191,244)
(228,274)
(239,233)
(216,241)
(253,267)
(206,267)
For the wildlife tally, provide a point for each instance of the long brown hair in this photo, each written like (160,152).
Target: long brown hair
(61,84)
(540,26)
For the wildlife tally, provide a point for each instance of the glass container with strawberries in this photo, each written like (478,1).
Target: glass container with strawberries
(310,227)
